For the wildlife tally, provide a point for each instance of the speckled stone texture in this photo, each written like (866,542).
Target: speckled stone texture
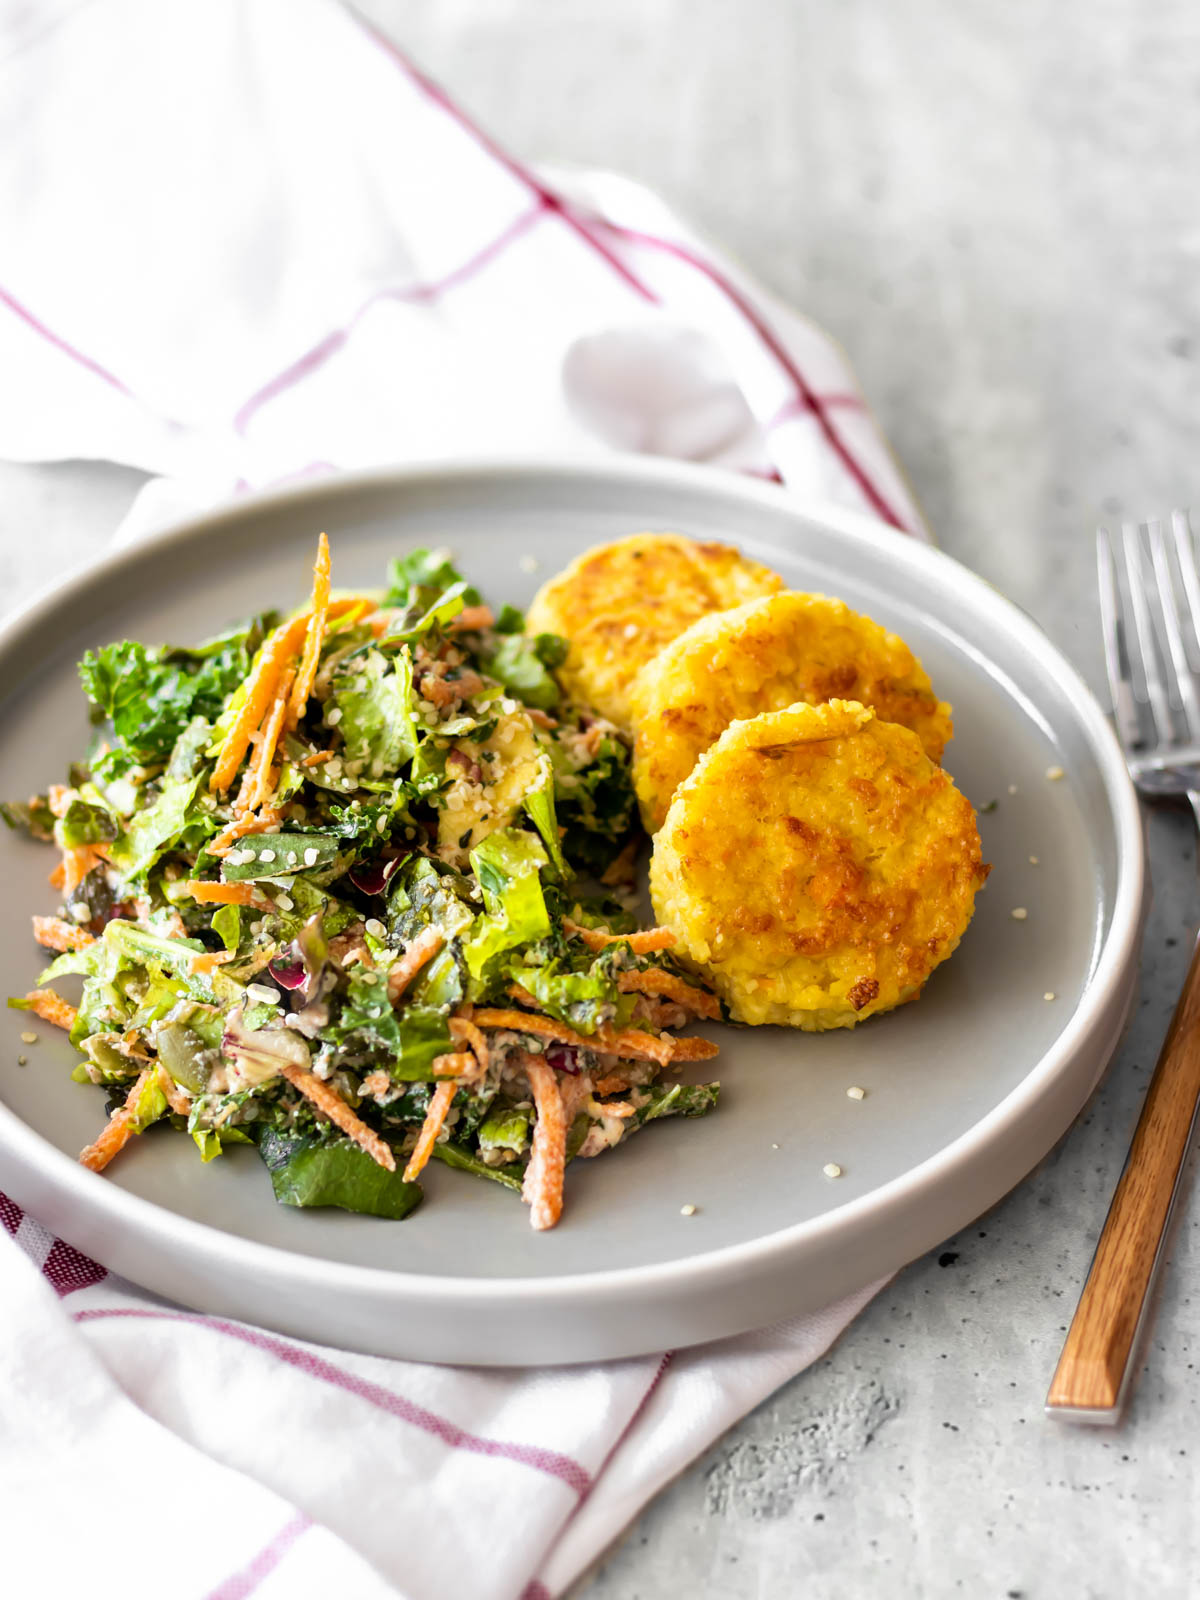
(995,209)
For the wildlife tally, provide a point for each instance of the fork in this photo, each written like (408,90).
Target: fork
(1156,707)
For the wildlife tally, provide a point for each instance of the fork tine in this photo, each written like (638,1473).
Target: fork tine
(1115,658)
(1186,556)
(1143,628)
(1172,627)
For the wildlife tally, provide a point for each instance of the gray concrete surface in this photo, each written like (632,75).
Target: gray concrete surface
(995,210)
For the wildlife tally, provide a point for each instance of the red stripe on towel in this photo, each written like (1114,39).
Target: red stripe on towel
(539,1459)
(68,1269)
(516,169)
(334,341)
(805,396)
(239,1585)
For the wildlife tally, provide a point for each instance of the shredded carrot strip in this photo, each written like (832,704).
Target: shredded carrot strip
(261,685)
(314,636)
(464,1031)
(118,1131)
(617,1108)
(241,804)
(211,959)
(52,1007)
(178,1099)
(418,951)
(53,933)
(317,758)
(58,798)
(435,1117)
(522,995)
(77,863)
(264,751)
(524,1022)
(542,1189)
(224,894)
(258,822)
(693,1050)
(457,1064)
(331,1105)
(621,1042)
(58,877)
(638,1043)
(654,981)
(614,1082)
(471,617)
(641,944)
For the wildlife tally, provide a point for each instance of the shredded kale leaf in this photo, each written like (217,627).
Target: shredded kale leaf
(151,695)
(418,579)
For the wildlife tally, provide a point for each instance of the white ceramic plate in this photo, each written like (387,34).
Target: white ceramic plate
(966,1090)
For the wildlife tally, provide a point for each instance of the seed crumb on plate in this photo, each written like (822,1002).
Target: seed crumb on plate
(687,1211)
(528,563)
(774,1147)
(29,1038)
(1019,913)
(1033,861)
(22,1061)
(1049,995)
(831,1169)
(1055,773)
(1012,788)
(856,1093)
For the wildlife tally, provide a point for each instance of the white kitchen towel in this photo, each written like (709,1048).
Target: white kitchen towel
(243,241)
(146,1450)
(246,240)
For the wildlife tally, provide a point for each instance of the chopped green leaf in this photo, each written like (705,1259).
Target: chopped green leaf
(511,1176)
(152,831)
(227,925)
(523,665)
(311,1172)
(85,823)
(34,818)
(279,855)
(507,864)
(374,695)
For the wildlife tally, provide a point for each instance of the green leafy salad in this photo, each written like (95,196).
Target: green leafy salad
(352,886)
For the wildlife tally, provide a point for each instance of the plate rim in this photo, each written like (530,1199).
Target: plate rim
(125,1210)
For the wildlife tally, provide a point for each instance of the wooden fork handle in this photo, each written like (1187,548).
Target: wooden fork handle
(1095,1365)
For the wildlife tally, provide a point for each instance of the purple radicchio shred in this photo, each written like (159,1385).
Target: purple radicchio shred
(372,877)
(301,964)
(288,971)
(564,1057)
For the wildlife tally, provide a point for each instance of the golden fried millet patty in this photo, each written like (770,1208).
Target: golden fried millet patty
(816,866)
(619,603)
(763,656)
